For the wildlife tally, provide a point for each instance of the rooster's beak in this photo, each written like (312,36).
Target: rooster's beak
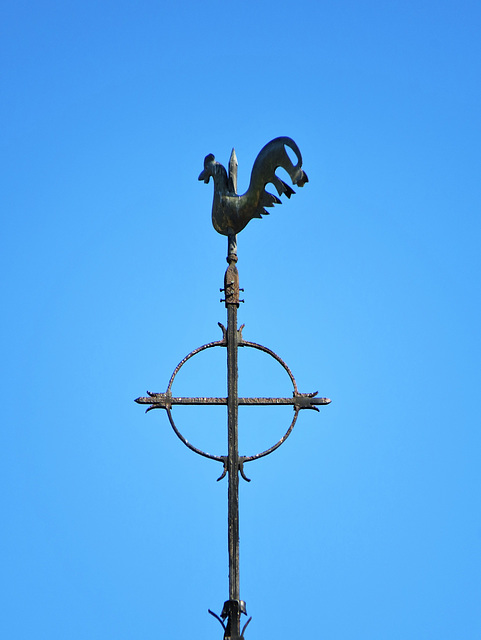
(205,177)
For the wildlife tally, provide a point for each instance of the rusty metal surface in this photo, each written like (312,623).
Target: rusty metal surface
(233,463)
(165,401)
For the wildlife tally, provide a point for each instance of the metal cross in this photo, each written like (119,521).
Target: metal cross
(233,464)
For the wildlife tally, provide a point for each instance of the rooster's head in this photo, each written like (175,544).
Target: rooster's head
(209,168)
(215,170)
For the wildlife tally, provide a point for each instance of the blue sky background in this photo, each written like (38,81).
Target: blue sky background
(366,523)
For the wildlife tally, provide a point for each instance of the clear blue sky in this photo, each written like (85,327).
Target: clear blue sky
(366,524)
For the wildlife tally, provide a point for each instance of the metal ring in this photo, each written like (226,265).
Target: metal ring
(243,343)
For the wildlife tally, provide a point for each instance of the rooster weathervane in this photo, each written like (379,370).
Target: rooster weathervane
(231,212)
(230,215)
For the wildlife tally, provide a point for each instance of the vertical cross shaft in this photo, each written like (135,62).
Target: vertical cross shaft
(231,287)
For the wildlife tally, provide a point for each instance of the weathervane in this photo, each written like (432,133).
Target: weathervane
(230,214)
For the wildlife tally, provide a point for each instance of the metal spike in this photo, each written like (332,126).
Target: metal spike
(233,164)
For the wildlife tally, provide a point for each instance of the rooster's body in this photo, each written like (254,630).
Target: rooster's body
(231,212)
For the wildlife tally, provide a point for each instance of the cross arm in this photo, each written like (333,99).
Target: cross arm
(166,400)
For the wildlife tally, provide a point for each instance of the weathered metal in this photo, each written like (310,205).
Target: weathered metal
(230,214)
(165,400)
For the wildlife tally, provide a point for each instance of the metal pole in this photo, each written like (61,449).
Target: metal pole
(231,287)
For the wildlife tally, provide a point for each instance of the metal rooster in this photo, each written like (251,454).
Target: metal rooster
(231,212)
